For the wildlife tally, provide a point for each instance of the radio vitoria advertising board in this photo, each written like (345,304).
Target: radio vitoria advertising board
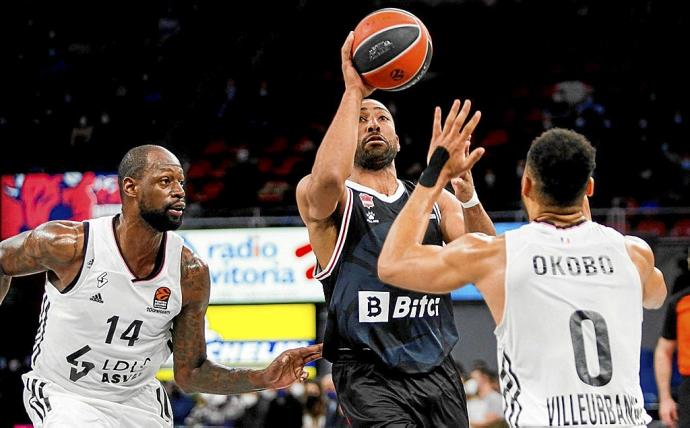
(270,265)
(260,265)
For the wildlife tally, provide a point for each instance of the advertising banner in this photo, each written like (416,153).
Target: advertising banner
(253,335)
(261,265)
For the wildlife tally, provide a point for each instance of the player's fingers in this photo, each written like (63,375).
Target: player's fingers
(347,47)
(460,119)
(311,357)
(311,349)
(436,131)
(452,114)
(474,157)
(470,125)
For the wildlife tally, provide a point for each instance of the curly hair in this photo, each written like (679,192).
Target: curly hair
(561,162)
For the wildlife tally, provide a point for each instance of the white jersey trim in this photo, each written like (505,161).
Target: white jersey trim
(385,198)
(340,242)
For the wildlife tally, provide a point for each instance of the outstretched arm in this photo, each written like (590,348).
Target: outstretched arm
(318,194)
(54,246)
(194,372)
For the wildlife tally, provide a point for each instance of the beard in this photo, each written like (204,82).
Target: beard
(159,219)
(374,159)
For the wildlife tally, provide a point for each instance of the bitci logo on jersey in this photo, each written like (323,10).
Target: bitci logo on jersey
(161,297)
(374,306)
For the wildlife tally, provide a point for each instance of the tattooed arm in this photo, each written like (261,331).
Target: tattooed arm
(55,247)
(194,372)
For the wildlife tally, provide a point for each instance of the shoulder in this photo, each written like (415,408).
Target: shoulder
(639,250)
(62,241)
(194,280)
(192,266)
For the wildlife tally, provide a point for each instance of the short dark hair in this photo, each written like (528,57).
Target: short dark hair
(486,371)
(133,163)
(561,162)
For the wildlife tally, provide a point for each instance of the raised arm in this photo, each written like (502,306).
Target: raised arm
(455,218)
(318,193)
(404,260)
(55,246)
(194,372)
(653,284)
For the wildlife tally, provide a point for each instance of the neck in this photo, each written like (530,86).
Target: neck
(560,216)
(384,181)
(138,241)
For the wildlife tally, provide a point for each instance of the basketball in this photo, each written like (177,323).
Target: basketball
(392,49)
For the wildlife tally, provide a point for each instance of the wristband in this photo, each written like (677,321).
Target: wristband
(474,200)
(430,175)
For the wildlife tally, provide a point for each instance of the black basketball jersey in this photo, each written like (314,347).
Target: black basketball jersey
(409,331)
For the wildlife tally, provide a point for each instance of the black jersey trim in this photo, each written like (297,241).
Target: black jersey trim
(160,256)
(511,392)
(340,242)
(40,333)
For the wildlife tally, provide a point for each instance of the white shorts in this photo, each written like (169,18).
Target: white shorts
(49,405)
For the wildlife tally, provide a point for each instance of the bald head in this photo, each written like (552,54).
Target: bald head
(139,158)
(374,104)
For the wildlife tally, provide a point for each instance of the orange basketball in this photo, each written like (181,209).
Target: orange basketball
(392,49)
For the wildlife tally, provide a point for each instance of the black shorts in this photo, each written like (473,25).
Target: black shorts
(372,395)
(684,403)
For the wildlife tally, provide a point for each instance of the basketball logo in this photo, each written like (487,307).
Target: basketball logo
(161,297)
(397,74)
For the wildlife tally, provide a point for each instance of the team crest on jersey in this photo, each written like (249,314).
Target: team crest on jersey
(367,200)
(161,297)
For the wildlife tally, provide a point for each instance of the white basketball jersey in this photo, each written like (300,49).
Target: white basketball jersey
(107,335)
(569,342)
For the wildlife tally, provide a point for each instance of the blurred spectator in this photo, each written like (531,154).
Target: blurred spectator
(334,417)
(285,411)
(314,408)
(485,403)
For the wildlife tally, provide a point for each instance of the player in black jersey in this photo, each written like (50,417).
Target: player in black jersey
(389,347)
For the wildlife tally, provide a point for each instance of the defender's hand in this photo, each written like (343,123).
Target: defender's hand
(288,367)
(454,137)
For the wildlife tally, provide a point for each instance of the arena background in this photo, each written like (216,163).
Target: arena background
(243,93)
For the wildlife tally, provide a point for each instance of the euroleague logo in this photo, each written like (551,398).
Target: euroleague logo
(397,74)
(161,297)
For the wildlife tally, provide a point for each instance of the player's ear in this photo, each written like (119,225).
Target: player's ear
(129,187)
(589,191)
(526,185)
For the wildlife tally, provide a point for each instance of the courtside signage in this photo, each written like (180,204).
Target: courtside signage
(253,335)
(262,265)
